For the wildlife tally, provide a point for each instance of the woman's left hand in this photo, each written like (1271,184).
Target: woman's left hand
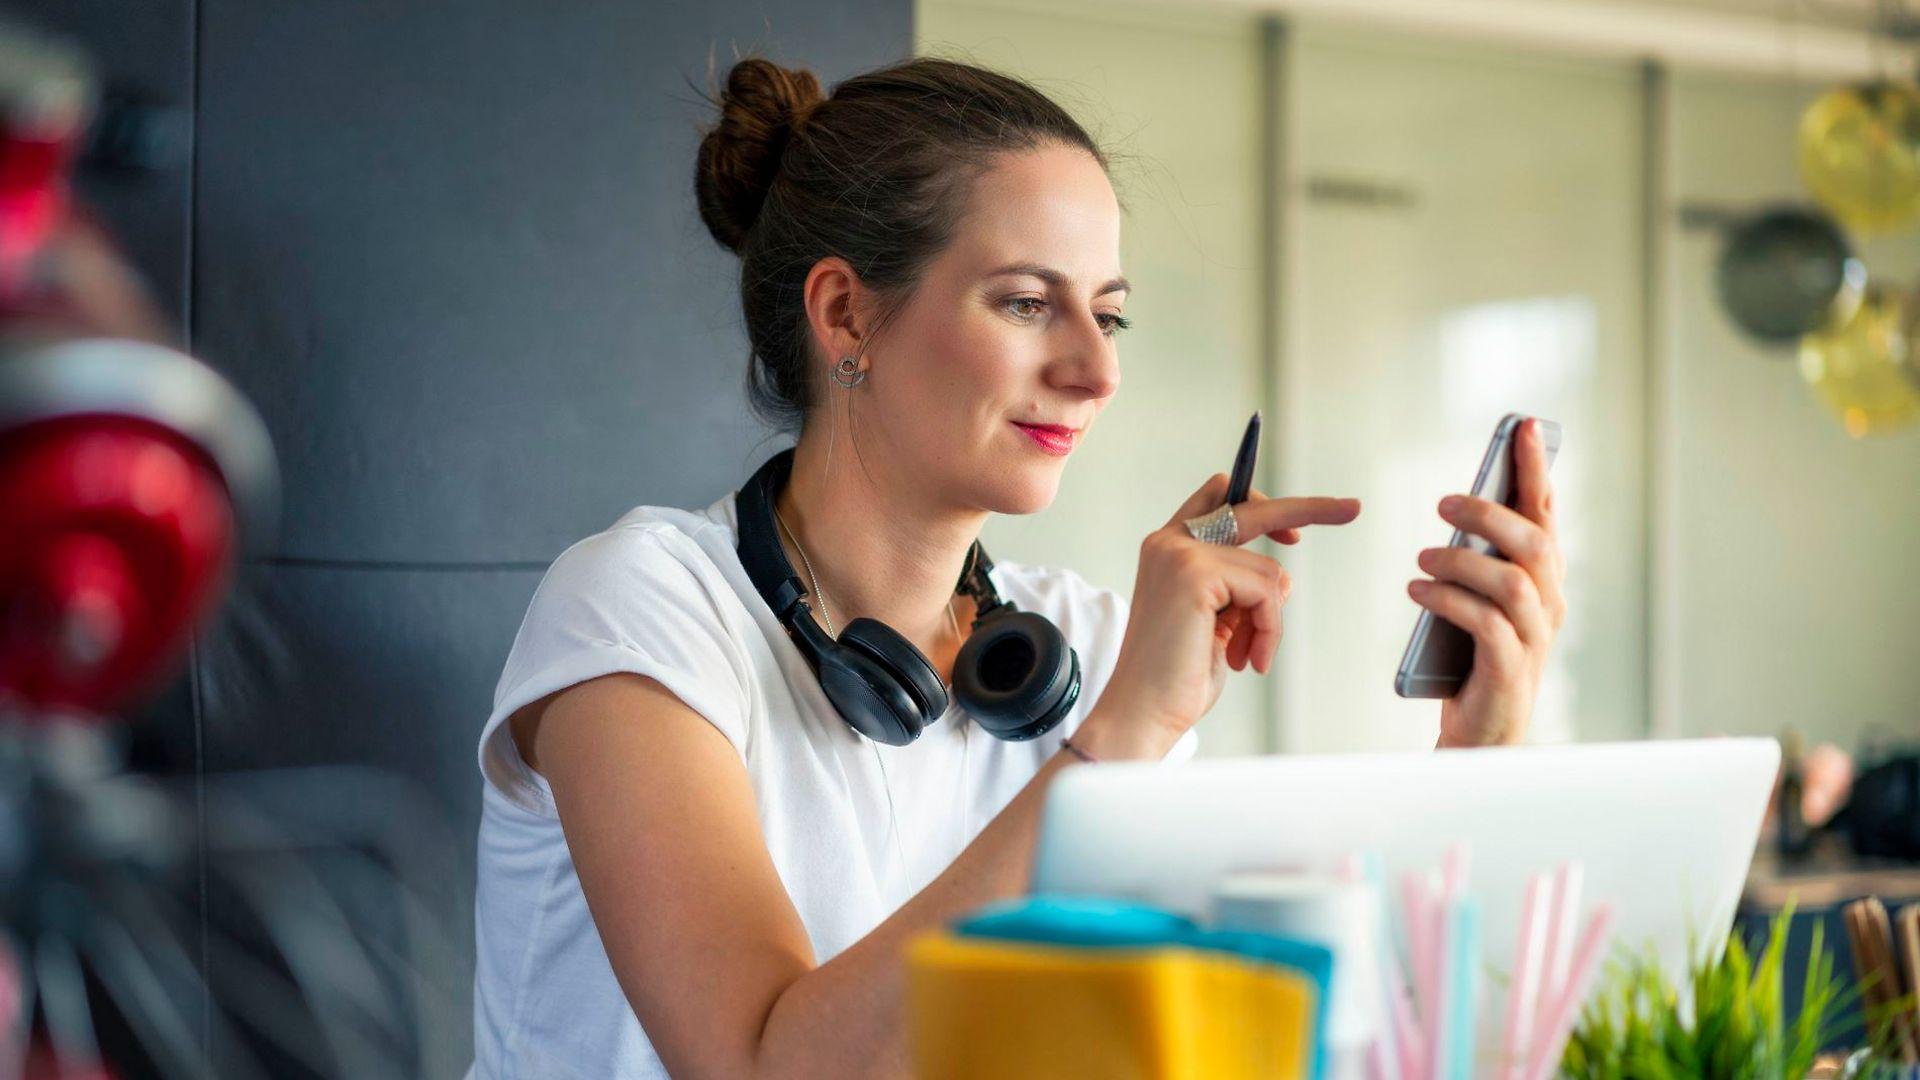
(1512,607)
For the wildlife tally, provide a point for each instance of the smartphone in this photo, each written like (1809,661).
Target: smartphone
(1439,656)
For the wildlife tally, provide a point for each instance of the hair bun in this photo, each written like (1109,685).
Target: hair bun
(760,108)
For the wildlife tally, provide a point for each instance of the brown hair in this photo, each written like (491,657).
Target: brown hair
(876,174)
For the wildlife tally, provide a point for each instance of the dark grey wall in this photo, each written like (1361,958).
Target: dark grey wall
(451,253)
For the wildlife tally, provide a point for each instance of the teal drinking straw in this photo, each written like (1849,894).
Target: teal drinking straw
(1462,975)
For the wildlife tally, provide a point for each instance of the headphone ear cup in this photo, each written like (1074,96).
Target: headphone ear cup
(869,698)
(903,666)
(1017,676)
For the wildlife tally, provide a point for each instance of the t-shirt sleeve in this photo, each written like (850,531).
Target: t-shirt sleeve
(629,599)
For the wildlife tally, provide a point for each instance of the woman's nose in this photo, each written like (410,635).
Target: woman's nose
(1088,361)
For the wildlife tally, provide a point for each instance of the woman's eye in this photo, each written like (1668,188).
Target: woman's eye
(1026,308)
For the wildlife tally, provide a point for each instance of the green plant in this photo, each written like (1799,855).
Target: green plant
(1734,1026)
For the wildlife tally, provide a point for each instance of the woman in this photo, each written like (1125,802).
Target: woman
(688,862)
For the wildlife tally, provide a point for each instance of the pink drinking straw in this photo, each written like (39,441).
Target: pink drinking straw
(1562,919)
(1440,1026)
(1433,916)
(1440,1023)
(1455,863)
(1522,987)
(1558,1023)
(1406,1029)
(1419,959)
(1413,899)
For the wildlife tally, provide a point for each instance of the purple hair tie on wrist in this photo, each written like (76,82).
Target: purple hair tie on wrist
(1067,745)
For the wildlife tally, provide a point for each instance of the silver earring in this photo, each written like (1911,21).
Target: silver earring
(846,376)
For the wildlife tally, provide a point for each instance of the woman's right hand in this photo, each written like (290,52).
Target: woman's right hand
(1197,610)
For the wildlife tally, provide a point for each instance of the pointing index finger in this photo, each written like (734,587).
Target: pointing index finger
(1258,516)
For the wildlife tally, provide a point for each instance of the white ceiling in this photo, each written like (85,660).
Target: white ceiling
(1811,39)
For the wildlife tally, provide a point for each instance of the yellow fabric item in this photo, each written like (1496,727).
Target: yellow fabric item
(989,1010)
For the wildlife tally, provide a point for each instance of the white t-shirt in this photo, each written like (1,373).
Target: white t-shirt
(662,593)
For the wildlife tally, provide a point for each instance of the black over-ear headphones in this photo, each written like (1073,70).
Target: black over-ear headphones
(1016,676)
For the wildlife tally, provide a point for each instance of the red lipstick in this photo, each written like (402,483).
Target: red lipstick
(1056,439)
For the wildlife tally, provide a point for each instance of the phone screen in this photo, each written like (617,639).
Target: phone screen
(1439,655)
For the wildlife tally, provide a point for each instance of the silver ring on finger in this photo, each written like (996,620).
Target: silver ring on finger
(1217,527)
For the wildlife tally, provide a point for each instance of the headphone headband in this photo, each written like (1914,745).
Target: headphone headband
(773,574)
(759,545)
(1017,677)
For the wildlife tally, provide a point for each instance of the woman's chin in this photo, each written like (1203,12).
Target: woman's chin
(1029,491)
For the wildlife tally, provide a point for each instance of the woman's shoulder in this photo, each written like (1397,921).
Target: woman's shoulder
(655,572)
(640,596)
(648,547)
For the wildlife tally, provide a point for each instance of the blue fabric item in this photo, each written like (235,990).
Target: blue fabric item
(1106,923)
(1077,920)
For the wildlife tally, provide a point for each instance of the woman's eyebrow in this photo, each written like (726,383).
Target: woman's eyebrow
(1057,279)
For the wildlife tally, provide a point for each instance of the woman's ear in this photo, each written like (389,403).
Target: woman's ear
(839,308)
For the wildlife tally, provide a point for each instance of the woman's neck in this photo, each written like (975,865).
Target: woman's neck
(883,545)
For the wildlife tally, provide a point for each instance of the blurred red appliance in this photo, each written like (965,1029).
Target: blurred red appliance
(121,459)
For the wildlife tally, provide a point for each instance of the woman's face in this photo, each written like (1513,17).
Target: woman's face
(1013,325)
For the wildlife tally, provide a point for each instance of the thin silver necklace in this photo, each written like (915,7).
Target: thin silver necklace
(820,595)
(886,784)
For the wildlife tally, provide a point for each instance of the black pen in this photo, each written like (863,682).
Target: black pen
(1242,481)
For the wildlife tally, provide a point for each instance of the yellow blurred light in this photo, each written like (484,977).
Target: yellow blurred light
(1857,366)
(1860,153)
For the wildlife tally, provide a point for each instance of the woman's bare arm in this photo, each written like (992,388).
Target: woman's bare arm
(660,818)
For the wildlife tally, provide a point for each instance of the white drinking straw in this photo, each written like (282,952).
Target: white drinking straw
(1562,925)
(1393,1041)
(1385,1052)
(1401,1024)
(1406,1029)
(1523,985)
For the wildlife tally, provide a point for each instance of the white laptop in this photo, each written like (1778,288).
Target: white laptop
(1665,829)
